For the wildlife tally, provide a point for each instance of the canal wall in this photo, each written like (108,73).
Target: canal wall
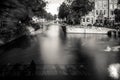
(88,30)
(69,29)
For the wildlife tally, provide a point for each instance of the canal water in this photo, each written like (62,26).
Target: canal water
(91,56)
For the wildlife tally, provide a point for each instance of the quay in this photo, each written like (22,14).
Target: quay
(88,30)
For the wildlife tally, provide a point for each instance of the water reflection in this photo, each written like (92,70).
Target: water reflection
(60,54)
(23,43)
(22,50)
(93,47)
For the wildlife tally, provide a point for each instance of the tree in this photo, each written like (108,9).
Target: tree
(63,11)
(75,10)
(117,15)
(16,14)
(81,8)
(55,16)
(49,16)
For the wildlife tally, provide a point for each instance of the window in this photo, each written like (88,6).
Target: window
(115,1)
(88,19)
(105,4)
(112,12)
(101,12)
(83,19)
(115,6)
(92,20)
(99,4)
(111,6)
(104,12)
(96,12)
(111,1)
(95,5)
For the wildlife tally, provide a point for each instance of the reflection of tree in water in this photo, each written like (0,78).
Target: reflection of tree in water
(23,42)
(83,63)
(82,58)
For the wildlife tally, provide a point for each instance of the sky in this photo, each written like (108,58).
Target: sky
(53,6)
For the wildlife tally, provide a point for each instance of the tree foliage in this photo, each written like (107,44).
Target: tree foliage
(16,14)
(82,7)
(117,16)
(75,10)
(117,13)
(63,11)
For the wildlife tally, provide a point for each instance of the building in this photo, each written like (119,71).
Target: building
(103,9)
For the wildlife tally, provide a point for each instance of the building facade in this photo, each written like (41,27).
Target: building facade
(103,9)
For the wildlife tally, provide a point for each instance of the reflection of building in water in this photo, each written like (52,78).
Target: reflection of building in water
(103,9)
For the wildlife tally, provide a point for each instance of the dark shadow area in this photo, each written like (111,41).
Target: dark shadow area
(20,71)
(22,42)
(84,67)
(29,72)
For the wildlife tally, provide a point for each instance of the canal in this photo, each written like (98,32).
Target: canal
(89,56)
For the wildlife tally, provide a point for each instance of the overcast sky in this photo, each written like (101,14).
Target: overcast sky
(53,6)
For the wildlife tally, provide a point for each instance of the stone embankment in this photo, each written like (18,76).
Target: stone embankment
(88,30)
